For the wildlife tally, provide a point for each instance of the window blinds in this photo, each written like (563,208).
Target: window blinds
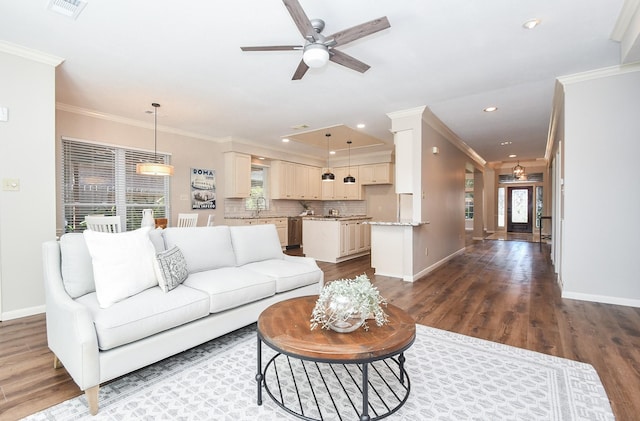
(101,179)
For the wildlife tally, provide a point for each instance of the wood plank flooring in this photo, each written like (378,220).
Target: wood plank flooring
(503,291)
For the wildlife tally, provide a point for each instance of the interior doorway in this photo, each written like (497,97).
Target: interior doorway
(520,209)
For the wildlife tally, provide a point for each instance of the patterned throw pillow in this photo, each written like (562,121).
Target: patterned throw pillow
(173,268)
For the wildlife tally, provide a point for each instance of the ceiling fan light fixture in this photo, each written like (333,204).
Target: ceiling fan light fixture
(315,55)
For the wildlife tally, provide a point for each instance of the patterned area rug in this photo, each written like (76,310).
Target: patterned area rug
(453,377)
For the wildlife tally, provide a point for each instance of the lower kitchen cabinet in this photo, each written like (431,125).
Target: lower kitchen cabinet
(335,240)
(280,223)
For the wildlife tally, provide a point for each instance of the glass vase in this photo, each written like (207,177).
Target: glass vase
(342,315)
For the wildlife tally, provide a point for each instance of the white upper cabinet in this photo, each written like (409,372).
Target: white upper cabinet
(237,175)
(381,173)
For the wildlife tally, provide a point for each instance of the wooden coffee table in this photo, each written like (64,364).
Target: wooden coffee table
(314,372)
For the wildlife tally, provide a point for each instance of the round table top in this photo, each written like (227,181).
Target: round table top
(286,327)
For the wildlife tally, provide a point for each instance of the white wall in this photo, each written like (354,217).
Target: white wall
(27,216)
(601,199)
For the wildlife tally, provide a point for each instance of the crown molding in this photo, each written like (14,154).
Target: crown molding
(600,73)
(437,124)
(628,14)
(29,54)
(136,123)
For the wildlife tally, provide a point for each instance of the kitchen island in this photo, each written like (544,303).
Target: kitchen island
(335,239)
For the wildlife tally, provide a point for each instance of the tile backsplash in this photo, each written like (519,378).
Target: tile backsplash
(236,207)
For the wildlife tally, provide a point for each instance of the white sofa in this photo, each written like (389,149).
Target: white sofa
(234,273)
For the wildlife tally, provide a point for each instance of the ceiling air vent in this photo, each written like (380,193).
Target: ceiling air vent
(68,8)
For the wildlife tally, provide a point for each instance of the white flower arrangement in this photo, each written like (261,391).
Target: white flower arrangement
(362,298)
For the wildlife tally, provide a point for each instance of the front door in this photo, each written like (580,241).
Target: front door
(520,209)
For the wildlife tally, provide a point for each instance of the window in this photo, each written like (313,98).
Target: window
(468,196)
(101,179)
(259,192)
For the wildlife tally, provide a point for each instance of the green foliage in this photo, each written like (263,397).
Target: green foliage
(363,297)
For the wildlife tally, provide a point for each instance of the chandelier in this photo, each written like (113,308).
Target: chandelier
(518,171)
(155,167)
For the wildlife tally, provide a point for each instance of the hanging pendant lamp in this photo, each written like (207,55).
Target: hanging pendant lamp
(349,179)
(155,167)
(518,171)
(328,175)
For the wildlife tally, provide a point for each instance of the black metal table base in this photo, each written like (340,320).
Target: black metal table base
(331,391)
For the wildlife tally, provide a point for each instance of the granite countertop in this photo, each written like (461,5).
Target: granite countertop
(337,218)
(256,217)
(397,224)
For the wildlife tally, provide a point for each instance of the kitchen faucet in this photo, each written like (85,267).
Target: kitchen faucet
(261,204)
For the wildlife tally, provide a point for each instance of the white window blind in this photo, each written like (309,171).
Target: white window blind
(101,180)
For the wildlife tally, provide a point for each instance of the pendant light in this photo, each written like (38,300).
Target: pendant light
(328,175)
(349,179)
(518,171)
(155,167)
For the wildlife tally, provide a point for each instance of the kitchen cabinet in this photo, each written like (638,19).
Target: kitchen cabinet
(355,238)
(338,190)
(295,181)
(280,223)
(381,173)
(237,175)
(336,240)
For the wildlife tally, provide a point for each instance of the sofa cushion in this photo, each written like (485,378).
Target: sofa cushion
(77,270)
(172,269)
(123,263)
(204,248)
(231,287)
(254,243)
(144,314)
(287,274)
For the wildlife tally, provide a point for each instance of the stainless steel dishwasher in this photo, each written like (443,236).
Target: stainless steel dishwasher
(295,232)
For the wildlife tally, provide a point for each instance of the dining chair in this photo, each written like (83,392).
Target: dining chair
(210,220)
(103,223)
(187,219)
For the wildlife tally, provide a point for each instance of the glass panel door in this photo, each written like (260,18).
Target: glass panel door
(520,209)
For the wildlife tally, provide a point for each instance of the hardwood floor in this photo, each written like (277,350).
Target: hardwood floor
(503,291)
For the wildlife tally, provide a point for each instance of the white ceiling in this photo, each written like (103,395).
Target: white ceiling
(454,56)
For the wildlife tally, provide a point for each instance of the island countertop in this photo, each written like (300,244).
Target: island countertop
(397,224)
(337,218)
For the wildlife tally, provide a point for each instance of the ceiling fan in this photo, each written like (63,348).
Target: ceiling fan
(319,49)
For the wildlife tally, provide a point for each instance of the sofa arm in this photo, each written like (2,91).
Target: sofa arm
(70,331)
(307,261)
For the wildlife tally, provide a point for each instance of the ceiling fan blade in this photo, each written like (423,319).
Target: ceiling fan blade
(359,31)
(300,71)
(301,20)
(347,61)
(273,48)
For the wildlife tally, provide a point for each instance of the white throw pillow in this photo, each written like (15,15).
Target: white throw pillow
(123,264)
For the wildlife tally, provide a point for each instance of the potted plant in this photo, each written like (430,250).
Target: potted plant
(345,304)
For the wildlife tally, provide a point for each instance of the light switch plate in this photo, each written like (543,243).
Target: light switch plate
(4,114)
(10,184)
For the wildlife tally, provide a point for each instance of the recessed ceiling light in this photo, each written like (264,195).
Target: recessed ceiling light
(531,23)
(285,140)
(261,158)
(512,155)
(332,152)
(360,126)
(490,109)
(506,142)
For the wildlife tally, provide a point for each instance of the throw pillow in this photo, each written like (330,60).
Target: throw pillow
(173,269)
(123,264)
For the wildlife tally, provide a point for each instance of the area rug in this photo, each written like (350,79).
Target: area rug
(452,376)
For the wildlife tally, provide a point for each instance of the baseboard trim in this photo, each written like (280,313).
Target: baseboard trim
(429,269)
(600,299)
(23,312)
